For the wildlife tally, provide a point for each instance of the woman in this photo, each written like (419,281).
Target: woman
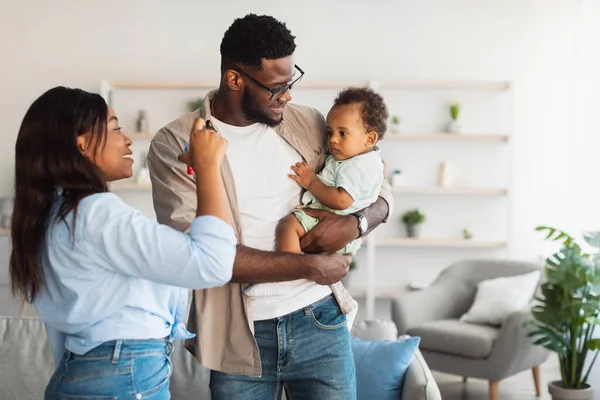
(108,282)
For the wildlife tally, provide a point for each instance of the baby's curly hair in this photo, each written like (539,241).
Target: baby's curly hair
(374,110)
(254,37)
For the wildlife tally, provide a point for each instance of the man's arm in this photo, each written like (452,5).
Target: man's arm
(333,231)
(174,196)
(257,266)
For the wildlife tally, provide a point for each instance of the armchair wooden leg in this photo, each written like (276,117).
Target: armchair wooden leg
(494,391)
(536,380)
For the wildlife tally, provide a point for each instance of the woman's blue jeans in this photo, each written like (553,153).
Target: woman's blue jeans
(121,369)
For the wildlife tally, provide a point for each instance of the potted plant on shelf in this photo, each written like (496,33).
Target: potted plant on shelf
(566,313)
(195,104)
(395,125)
(454,126)
(412,220)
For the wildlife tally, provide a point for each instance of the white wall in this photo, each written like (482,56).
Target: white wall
(543,47)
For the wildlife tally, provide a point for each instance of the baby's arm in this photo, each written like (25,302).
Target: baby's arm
(334,198)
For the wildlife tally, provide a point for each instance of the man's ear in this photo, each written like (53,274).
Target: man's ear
(233,80)
(371,138)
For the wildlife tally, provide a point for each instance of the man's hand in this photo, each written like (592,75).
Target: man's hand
(328,268)
(332,233)
(304,174)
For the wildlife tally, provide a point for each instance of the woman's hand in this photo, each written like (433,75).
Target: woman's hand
(207,148)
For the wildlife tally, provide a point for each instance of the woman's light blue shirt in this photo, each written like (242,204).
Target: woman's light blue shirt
(125,276)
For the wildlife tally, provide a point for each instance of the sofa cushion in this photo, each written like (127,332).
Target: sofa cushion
(381,366)
(452,336)
(379,329)
(27,362)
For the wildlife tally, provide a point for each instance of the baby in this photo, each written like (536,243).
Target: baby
(349,182)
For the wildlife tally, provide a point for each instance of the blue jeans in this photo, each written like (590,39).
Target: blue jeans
(121,369)
(306,353)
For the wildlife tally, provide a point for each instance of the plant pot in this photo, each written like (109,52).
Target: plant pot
(454,127)
(557,392)
(413,230)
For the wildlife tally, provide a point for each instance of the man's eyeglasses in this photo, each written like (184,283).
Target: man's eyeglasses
(279,91)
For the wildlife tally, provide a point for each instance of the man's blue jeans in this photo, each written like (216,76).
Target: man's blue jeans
(306,353)
(121,369)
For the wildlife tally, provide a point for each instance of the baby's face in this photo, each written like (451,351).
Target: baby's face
(346,134)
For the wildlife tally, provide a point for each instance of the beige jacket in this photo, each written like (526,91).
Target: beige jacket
(221,317)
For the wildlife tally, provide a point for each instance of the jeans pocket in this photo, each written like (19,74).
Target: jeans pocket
(328,316)
(151,374)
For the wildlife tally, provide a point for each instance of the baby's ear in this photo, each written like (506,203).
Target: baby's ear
(371,138)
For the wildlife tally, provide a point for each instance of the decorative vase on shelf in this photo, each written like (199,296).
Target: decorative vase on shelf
(143,175)
(454,125)
(141,124)
(398,179)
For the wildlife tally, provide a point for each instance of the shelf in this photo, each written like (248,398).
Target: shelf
(140,135)
(439,242)
(4,232)
(449,137)
(450,191)
(465,85)
(130,187)
(142,85)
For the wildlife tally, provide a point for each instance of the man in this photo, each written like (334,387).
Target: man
(259,346)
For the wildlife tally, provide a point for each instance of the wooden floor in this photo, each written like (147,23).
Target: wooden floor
(518,387)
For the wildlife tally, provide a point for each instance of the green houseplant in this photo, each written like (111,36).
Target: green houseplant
(454,126)
(413,219)
(566,313)
(195,104)
(395,122)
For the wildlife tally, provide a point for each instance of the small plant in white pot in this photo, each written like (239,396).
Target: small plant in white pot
(454,126)
(567,311)
(395,125)
(412,220)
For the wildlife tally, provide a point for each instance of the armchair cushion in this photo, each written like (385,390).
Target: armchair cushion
(498,298)
(458,338)
(381,366)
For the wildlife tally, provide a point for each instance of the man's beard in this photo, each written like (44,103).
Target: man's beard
(253,114)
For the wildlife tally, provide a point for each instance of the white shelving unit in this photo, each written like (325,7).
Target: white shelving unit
(450,137)
(374,241)
(438,242)
(450,191)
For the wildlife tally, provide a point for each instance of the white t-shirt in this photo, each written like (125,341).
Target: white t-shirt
(260,160)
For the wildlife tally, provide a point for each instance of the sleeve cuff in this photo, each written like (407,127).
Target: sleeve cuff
(213,226)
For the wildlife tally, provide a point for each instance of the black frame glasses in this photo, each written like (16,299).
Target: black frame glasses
(277,92)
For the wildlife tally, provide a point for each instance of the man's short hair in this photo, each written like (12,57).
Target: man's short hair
(254,37)
(374,111)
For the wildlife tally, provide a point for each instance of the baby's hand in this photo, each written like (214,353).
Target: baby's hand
(304,174)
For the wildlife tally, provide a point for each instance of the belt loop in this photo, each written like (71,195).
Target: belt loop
(117,352)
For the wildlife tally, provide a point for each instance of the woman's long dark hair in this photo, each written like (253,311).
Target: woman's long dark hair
(51,170)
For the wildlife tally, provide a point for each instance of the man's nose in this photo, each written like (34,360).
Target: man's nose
(285,97)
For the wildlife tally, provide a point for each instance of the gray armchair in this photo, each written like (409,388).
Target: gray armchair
(469,350)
